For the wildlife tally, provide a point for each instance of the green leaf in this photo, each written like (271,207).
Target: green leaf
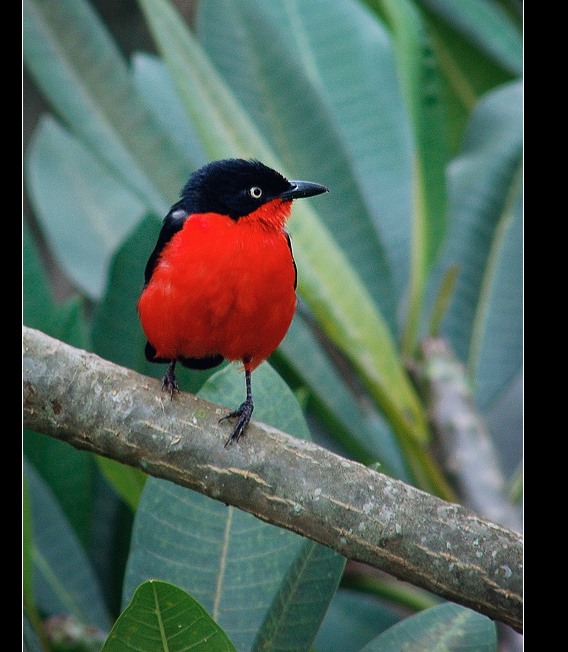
(222,126)
(64,321)
(109,543)
(69,473)
(299,606)
(155,86)
(70,323)
(352,620)
(117,334)
(38,302)
(422,89)
(81,71)
(484,322)
(515,489)
(445,627)
(468,67)
(64,581)
(30,638)
(443,296)
(127,481)
(505,421)
(84,211)
(161,616)
(232,563)
(486,25)
(27,543)
(496,353)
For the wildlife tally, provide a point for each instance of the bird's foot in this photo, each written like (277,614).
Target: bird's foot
(170,383)
(243,414)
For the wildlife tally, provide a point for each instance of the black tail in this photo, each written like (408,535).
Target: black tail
(208,362)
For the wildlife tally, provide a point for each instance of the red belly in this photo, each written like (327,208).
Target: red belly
(220,287)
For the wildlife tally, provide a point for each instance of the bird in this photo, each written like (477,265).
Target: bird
(221,281)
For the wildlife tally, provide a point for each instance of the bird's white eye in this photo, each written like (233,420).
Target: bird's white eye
(255,192)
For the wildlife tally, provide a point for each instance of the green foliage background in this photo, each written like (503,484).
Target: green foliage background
(410,111)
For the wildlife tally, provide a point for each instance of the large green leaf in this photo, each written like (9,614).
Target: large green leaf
(64,581)
(420,81)
(421,84)
(220,122)
(446,627)
(352,620)
(505,421)
(70,475)
(299,606)
(496,354)
(81,71)
(117,334)
(469,58)
(109,542)
(231,562)
(484,322)
(155,86)
(487,25)
(161,616)
(343,121)
(84,210)
(30,639)
(27,554)
(38,302)
(65,320)
(127,481)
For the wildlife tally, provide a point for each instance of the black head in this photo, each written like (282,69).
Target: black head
(236,187)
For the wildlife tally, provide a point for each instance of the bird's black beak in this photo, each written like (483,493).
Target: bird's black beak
(300,189)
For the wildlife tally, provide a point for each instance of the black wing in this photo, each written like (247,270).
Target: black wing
(173,222)
(293,261)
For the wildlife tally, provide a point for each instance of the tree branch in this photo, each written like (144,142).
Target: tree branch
(364,515)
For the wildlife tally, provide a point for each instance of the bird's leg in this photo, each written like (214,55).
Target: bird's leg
(169,381)
(244,413)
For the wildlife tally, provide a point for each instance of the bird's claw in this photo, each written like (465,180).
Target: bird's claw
(170,384)
(244,413)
